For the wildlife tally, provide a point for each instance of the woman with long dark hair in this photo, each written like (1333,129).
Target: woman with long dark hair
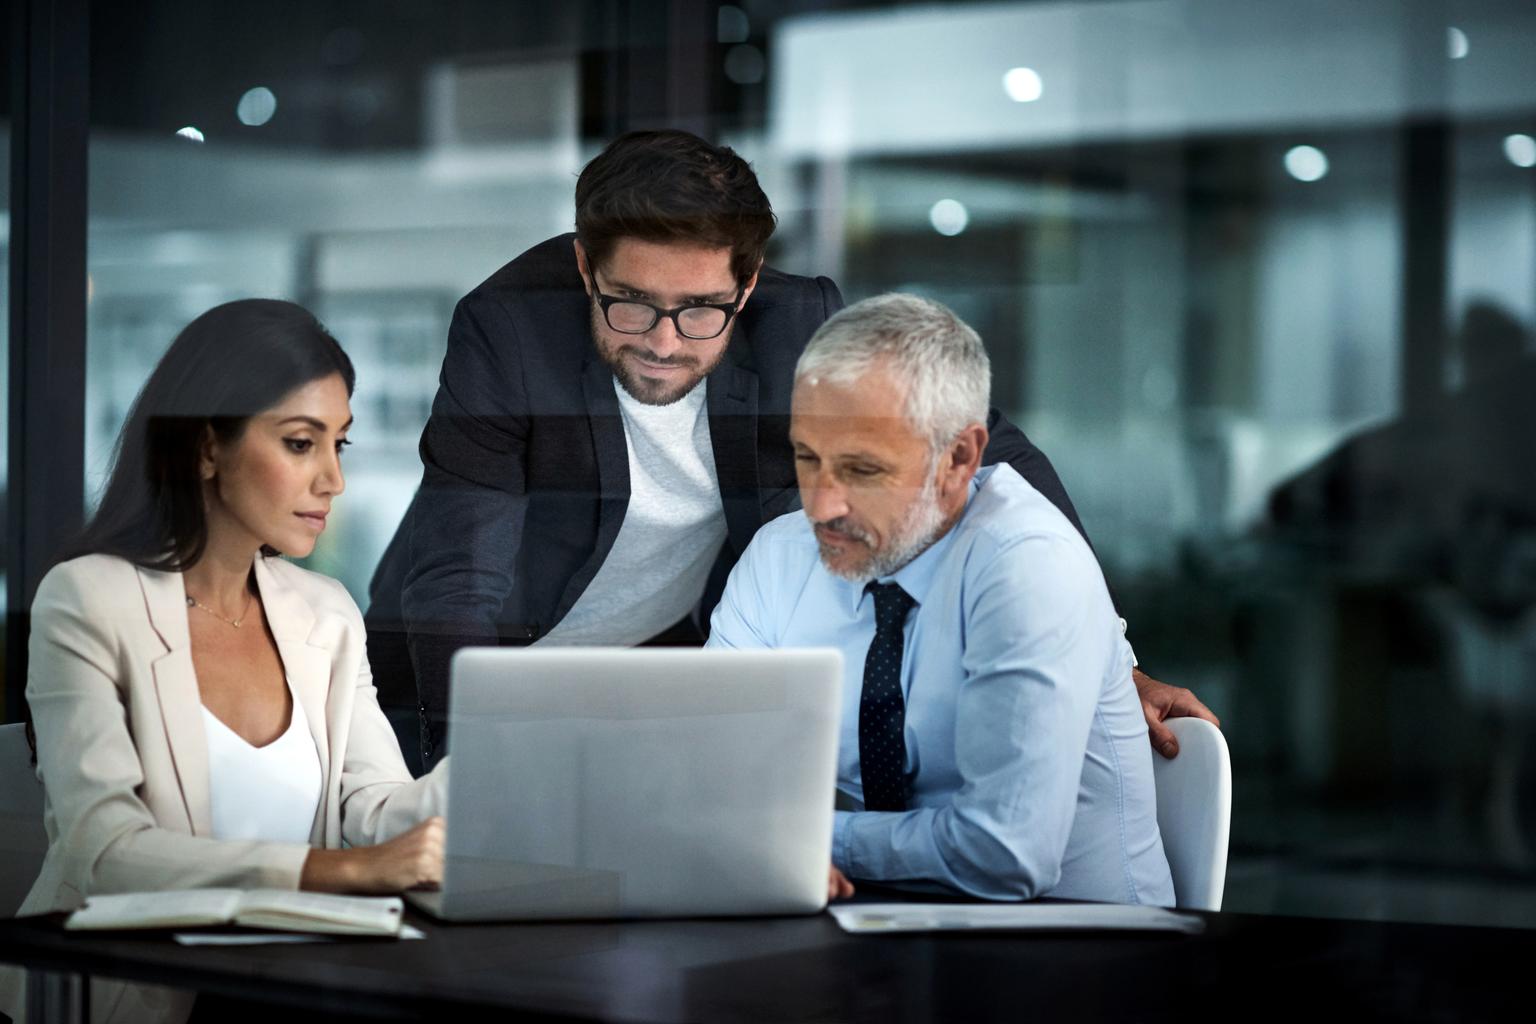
(204,711)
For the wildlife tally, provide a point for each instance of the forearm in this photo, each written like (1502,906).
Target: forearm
(331,871)
(944,846)
(154,859)
(408,861)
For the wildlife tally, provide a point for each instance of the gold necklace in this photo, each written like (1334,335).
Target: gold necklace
(193,602)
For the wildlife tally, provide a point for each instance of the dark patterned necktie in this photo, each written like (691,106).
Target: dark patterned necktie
(882,712)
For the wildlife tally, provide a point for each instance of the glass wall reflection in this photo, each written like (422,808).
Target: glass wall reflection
(1259,278)
(5,329)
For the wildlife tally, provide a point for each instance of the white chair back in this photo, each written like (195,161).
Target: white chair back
(23,840)
(1194,812)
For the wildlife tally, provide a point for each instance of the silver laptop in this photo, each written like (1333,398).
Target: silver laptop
(612,783)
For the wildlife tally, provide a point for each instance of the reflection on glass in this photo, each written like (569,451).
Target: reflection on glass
(5,355)
(1023,85)
(732,24)
(1456,46)
(1521,150)
(1306,163)
(948,217)
(745,65)
(256,107)
(1209,352)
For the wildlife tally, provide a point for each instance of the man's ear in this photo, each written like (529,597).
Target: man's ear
(964,459)
(751,284)
(582,266)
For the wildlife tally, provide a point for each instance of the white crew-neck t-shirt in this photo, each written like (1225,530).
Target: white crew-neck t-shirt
(672,529)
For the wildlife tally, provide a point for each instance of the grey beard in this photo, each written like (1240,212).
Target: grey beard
(919,527)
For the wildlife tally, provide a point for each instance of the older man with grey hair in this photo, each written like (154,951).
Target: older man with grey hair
(992,739)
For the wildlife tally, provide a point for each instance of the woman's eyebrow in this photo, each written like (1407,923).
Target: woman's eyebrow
(312,422)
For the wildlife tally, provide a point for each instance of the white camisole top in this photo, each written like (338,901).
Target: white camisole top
(269,793)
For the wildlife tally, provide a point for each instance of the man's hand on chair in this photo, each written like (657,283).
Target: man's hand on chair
(1159,701)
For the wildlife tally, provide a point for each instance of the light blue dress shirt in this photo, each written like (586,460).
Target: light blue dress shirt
(1026,744)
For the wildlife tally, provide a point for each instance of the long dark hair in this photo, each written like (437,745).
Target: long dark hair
(234,361)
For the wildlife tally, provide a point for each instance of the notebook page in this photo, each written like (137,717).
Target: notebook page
(173,909)
(320,912)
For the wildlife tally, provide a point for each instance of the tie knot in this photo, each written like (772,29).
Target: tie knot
(891,604)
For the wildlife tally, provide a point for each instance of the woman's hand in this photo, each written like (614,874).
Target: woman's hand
(411,860)
(838,886)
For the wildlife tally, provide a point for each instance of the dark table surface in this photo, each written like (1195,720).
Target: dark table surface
(806,969)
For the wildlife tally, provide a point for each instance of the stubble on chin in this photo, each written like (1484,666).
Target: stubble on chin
(921,524)
(651,392)
(858,572)
(853,574)
(641,388)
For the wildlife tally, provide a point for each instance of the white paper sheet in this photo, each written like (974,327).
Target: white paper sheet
(247,938)
(271,938)
(878,918)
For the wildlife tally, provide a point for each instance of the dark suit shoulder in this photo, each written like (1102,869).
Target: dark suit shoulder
(549,266)
(784,311)
(528,322)
(775,286)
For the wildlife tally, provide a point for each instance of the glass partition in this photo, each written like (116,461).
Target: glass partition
(1259,278)
(5,353)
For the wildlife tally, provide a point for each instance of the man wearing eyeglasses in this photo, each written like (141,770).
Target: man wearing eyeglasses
(611,429)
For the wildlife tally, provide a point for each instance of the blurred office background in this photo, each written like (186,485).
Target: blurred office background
(1259,277)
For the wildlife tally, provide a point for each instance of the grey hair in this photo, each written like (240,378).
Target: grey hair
(935,354)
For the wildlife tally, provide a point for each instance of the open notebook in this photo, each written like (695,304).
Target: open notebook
(275,909)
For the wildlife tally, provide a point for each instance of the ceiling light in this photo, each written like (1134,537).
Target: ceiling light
(256,107)
(1455,43)
(948,217)
(1023,85)
(1306,163)
(1521,150)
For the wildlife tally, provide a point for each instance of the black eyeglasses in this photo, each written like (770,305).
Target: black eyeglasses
(695,321)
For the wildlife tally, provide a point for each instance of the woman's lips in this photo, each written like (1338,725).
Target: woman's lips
(315,520)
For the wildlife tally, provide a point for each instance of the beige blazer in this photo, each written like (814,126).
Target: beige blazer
(123,756)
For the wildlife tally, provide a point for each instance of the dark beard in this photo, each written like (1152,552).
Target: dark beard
(642,389)
(646,391)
